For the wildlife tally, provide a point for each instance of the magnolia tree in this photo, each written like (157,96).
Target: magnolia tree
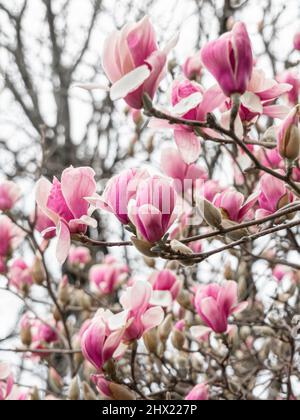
(171,271)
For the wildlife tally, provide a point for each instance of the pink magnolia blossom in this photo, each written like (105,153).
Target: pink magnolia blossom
(234,206)
(8,390)
(140,310)
(118,192)
(198,393)
(230,60)
(210,189)
(192,68)
(166,280)
(289,136)
(279,272)
(291,77)
(297,41)
(64,202)
(273,196)
(9,195)
(191,102)
(104,278)
(20,275)
(184,175)
(259,98)
(152,213)
(101,339)
(79,256)
(215,304)
(103,386)
(133,63)
(11,237)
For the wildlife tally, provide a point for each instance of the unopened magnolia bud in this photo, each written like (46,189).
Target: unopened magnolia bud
(151,340)
(143,247)
(236,235)
(84,300)
(34,394)
(56,314)
(121,392)
(38,272)
(245,332)
(173,266)
(26,336)
(182,249)
(228,273)
(289,136)
(63,291)
(178,339)
(74,390)
(184,299)
(164,330)
(263,332)
(88,393)
(209,212)
(150,262)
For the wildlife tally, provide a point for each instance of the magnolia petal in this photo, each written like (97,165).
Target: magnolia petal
(188,145)
(161,298)
(252,102)
(129,83)
(187,104)
(63,243)
(171,44)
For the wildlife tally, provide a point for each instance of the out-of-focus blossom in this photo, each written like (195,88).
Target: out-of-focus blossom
(274,195)
(216,303)
(234,206)
(64,202)
(153,211)
(9,195)
(20,276)
(8,390)
(230,60)
(11,237)
(210,189)
(133,63)
(289,136)
(79,256)
(198,393)
(166,280)
(279,272)
(140,311)
(118,192)
(297,41)
(185,175)
(102,337)
(192,68)
(291,78)
(104,278)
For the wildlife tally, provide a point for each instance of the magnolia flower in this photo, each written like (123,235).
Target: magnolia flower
(79,256)
(190,102)
(184,175)
(118,192)
(192,68)
(230,60)
(64,202)
(133,63)
(43,224)
(20,276)
(297,41)
(233,205)
(289,136)
(274,195)
(9,195)
(152,213)
(104,278)
(215,304)
(198,393)
(166,280)
(259,97)
(140,311)
(101,338)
